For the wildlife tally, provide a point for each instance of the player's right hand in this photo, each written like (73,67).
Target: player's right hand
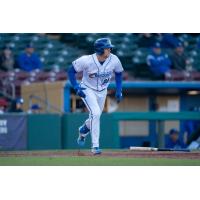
(79,92)
(118,96)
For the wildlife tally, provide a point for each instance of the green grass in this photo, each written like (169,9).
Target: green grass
(94,161)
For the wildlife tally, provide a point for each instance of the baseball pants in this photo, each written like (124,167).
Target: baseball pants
(94,102)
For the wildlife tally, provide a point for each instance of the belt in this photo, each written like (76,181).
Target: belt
(93,88)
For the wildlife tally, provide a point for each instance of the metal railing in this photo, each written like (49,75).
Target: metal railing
(46,103)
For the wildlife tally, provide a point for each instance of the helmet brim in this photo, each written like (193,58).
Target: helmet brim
(109,47)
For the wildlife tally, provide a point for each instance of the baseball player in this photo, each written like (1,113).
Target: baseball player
(97,72)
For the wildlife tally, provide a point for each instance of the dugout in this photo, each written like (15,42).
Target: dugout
(147,96)
(139,97)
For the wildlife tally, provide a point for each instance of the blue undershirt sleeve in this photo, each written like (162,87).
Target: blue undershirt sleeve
(118,80)
(72,77)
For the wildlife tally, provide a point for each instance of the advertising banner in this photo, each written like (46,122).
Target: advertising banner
(13,132)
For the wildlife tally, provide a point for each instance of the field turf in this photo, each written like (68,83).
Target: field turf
(95,161)
(60,158)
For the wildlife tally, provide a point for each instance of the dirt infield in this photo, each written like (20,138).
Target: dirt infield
(106,153)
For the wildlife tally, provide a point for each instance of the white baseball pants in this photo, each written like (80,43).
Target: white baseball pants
(94,102)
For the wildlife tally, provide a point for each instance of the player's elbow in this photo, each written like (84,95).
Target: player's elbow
(118,73)
(71,70)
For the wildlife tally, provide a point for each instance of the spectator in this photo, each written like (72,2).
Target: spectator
(3,106)
(158,62)
(29,60)
(35,109)
(194,145)
(16,106)
(198,42)
(179,58)
(7,59)
(173,141)
(146,40)
(190,126)
(168,40)
(192,130)
(194,139)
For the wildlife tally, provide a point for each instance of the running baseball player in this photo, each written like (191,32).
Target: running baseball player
(97,72)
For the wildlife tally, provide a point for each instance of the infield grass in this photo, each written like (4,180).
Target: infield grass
(94,161)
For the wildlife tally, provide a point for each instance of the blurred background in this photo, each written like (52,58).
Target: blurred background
(162,74)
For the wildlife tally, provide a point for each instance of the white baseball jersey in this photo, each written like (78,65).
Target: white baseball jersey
(97,76)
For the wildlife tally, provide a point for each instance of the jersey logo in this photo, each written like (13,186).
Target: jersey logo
(105,81)
(93,75)
(104,77)
(100,75)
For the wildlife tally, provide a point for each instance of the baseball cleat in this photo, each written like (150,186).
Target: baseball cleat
(81,140)
(83,132)
(96,150)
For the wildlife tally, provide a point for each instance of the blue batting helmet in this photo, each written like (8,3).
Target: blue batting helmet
(156,45)
(101,44)
(19,100)
(173,131)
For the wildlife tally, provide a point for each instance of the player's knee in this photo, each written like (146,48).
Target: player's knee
(96,113)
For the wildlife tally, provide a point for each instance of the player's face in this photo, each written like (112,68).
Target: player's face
(157,51)
(7,52)
(18,105)
(179,50)
(174,137)
(106,52)
(29,50)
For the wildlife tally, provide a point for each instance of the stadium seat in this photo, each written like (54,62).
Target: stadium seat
(61,76)
(195,75)
(176,75)
(71,46)
(21,75)
(3,75)
(42,76)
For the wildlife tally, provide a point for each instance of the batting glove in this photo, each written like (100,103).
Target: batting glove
(118,96)
(79,92)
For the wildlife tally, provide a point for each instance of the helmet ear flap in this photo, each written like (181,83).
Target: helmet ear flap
(99,51)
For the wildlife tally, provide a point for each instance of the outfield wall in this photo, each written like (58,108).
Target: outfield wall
(54,131)
(44,131)
(51,131)
(109,131)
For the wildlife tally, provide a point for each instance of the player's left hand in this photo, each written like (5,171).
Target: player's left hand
(79,92)
(118,96)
